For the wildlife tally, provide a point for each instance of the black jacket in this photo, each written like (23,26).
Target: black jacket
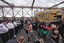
(12,41)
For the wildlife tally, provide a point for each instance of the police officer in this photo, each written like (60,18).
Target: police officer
(16,27)
(3,31)
(10,25)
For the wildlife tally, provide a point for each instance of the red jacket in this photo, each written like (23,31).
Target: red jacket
(48,28)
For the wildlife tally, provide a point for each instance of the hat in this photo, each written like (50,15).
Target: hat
(0,21)
(3,21)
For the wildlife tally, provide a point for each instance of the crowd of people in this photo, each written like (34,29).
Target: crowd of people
(8,30)
(53,32)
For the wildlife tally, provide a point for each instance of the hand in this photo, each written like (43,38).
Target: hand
(60,38)
(53,26)
(41,40)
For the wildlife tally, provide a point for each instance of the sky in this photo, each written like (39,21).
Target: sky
(39,3)
(42,3)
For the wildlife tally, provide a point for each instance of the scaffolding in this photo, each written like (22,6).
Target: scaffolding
(11,10)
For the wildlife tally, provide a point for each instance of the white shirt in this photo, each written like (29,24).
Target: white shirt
(15,23)
(3,28)
(10,25)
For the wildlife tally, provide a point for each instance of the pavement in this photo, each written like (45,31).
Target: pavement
(23,33)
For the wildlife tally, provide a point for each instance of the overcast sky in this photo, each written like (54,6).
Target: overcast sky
(40,3)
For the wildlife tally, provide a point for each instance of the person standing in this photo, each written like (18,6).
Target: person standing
(22,23)
(29,27)
(3,31)
(53,36)
(10,25)
(16,28)
(40,26)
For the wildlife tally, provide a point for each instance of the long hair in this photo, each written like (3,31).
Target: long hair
(20,39)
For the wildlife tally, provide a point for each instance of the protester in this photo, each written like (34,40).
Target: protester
(53,36)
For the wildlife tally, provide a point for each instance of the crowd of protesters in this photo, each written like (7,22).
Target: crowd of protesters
(51,31)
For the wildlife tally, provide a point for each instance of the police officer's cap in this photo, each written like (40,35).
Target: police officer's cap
(9,20)
(0,21)
(4,20)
